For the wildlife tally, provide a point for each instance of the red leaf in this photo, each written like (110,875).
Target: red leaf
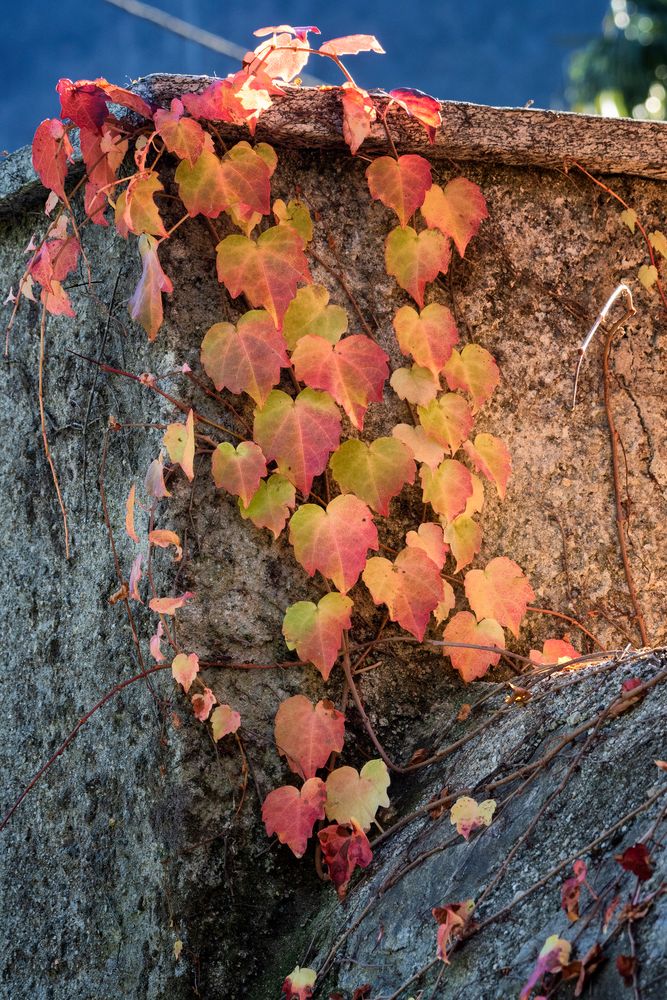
(430,539)
(358,115)
(267,271)
(350,45)
(181,136)
(292,813)
(145,306)
(554,651)
(570,891)
(308,734)
(499,591)
(299,434)
(316,631)
(344,848)
(451,920)
(334,541)
(627,968)
(411,587)
(84,103)
(636,859)
(202,704)
(400,184)
(353,371)
(447,488)
(428,336)
(246,357)
(422,107)
(464,628)
(51,150)
(299,984)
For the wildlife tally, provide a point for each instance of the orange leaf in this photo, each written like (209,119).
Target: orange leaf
(169,605)
(316,631)
(358,115)
(447,488)
(129,514)
(184,669)
(452,920)
(344,848)
(238,470)
(423,448)
(136,212)
(334,541)
(164,539)
(464,628)
(499,591)
(291,813)
(555,651)
(446,603)
(181,136)
(429,538)
(429,336)
(399,184)
(145,306)
(415,259)
(457,211)
(420,105)
(350,45)
(308,734)
(224,720)
(375,472)
(411,587)
(491,457)
(246,357)
(299,434)
(267,271)
(474,371)
(447,420)
(353,371)
(179,440)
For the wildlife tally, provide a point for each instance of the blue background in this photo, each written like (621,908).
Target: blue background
(492,53)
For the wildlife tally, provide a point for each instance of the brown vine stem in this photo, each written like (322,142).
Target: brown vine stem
(42,417)
(569,619)
(343,284)
(621,516)
(639,225)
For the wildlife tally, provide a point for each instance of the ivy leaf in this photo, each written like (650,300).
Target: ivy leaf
(416,385)
(499,591)
(299,434)
(182,136)
(129,514)
(135,579)
(358,115)
(423,448)
(246,357)
(648,275)
(354,795)
(353,371)
(281,57)
(334,541)
(430,539)
(267,271)
(202,704)
(476,501)
(464,537)
(136,212)
(659,242)
(555,651)
(636,859)
(474,371)
(456,211)
(473,663)
(200,184)
(351,45)
(344,848)
(239,99)
(570,891)
(451,920)
(184,669)
(309,312)
(306,734)
(421,106)
(291,813)
(316,631)
(428,336)
(179,440)
(467,815)
(271,504)
(83,102)
(411,588)
(102,154)
(154,482)
(491,457)
(246,176)
(629,217)
(295,213)
(447,420)
(375,472)
(400,184)
(447,488)
(51,151)
(554,955)
(446,603)
(169,605)
(415,259)
(154,645)
(163,539)
(238,470)
(299,984)
(224,720)
(145,306)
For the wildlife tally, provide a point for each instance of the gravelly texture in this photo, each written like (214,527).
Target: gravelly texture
(137,836)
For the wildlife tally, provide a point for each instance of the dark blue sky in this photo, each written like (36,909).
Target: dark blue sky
(503,53)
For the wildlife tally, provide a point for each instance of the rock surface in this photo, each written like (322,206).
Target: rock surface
(144,833)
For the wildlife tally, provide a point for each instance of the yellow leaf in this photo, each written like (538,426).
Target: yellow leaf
(658,242)
(648,275)
(629,217)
